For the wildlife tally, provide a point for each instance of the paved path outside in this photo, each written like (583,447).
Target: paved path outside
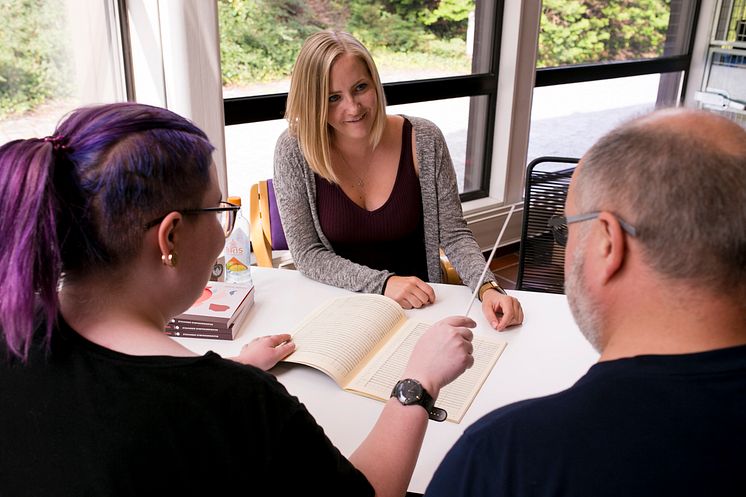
(566,120)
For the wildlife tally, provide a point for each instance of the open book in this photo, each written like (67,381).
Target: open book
(363,342)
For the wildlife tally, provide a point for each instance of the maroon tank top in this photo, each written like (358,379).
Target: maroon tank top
(388,238)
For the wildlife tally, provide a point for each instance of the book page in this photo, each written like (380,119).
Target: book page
(380,375)
(340,335)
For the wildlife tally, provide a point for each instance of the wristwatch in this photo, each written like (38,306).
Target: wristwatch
(487,286)
(411,392)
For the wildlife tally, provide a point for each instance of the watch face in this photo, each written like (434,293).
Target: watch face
(409,392)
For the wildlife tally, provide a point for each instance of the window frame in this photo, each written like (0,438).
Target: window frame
(550,76)
(258,108)
(513,72)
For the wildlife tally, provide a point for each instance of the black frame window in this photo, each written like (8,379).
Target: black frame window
(482,82)
(676,58)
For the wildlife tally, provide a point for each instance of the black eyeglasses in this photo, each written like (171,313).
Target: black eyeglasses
(226,215)
(558,224)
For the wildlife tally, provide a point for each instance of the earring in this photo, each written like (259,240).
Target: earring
(169,260)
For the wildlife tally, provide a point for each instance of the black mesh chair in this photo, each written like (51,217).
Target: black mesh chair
(541,260)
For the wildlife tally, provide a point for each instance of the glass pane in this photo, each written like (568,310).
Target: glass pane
(591,31)
(250,147)
(567,119)
(452,116)
(724,87)
(249,151)
(731,23)
(259,39)
(55,56)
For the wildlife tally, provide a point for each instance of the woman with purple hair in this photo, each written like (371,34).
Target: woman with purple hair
(108,228)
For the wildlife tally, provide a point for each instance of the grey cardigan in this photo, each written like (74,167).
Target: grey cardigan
(445,227)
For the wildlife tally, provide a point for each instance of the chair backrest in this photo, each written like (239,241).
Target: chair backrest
(277,234)
(266,228)
(448,273)
(541,260)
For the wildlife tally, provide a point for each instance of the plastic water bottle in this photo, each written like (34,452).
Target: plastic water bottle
(238,250)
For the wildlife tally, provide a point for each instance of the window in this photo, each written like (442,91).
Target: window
(56,56)
(438,62)
(567,119)
(601,63)
(730,28)
(724,83)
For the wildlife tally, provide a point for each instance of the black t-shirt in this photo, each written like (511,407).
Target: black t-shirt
(643,426)
(87,421)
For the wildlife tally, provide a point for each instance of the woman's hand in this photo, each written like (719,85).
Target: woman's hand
(409,291)
(265,352)
(501,310)
(442,353)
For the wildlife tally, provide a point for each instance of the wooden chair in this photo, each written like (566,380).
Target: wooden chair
(267,235)
(541,260)
(448,273)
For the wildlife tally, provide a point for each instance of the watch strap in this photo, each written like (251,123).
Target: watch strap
(425,401)
(437,414)
(434,413)
(490,285)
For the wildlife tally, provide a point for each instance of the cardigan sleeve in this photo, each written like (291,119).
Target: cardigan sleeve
(312,253)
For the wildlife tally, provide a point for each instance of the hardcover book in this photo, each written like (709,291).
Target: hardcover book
(218,313)
(363,342)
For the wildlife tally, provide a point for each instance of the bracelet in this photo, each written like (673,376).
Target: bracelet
(386,282)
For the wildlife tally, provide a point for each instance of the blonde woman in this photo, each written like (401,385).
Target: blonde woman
(368,199)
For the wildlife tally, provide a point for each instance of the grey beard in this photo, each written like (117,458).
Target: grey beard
(582,305)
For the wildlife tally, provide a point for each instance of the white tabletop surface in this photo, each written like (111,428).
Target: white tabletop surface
(544,355)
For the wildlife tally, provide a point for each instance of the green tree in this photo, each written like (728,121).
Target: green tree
(637,28)
(444,18)
(33,60)
(449,19)
(583,31)
(377,27)
(259,39)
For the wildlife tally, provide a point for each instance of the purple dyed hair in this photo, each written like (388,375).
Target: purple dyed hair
(77,204)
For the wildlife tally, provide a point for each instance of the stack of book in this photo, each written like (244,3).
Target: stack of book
(218,313)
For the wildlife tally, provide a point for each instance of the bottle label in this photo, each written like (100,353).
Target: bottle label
(237,248)
(238,256)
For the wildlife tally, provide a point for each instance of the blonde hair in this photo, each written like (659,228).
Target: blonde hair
(308,100)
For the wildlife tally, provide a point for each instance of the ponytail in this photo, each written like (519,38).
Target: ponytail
(67,203)
(30,261)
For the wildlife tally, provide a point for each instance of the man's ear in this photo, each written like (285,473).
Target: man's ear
(612,246)
(168,232)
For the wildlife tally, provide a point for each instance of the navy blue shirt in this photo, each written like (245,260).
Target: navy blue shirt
(642,426)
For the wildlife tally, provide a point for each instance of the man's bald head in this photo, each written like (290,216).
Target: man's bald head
(678,176)
(697,126)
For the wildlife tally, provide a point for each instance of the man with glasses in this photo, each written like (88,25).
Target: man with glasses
(655,230)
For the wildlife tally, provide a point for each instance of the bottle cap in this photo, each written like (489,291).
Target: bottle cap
(234,200)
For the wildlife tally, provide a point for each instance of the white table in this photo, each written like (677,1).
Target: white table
(544,355)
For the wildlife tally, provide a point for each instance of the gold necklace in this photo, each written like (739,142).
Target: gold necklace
(360,182)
